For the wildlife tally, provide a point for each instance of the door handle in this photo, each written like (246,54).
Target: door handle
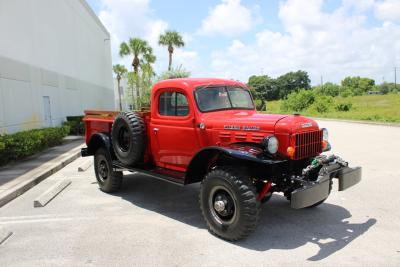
(155,130)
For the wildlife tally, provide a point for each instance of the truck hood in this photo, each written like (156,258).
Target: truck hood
(257,122)
(295,124)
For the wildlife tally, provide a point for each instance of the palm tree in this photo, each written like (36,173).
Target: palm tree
(142,53)
(171,39)
(119,70)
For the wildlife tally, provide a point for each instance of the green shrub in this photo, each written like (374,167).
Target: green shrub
(76,125)
(298,101)
(346,92)
(328,89)
(344,106)
(23,144)
(322,104)
(260,104)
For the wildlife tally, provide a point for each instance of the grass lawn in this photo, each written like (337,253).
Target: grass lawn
(380,108)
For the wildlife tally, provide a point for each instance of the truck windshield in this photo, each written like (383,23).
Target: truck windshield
(223,97)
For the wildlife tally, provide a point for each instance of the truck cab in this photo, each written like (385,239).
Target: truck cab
(208,131)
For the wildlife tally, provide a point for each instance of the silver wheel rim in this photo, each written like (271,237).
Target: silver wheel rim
(223,205)
(103,170)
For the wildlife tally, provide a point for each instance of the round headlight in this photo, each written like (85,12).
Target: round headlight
(325,134)
(271,144)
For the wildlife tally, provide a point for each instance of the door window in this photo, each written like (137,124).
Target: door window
(173,104)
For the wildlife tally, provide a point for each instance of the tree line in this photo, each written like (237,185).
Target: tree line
(265,88)
(298,95)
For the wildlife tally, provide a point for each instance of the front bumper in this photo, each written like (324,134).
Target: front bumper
(313,192)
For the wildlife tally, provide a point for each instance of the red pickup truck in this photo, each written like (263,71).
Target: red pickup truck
(208,131)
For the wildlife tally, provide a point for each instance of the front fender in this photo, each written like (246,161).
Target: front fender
(200,163)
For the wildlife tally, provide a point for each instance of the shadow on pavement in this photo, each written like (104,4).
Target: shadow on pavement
(280,227)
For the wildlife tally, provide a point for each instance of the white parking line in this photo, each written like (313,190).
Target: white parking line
(4,235)
(39,220)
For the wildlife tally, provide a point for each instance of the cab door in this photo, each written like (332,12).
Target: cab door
(173,130)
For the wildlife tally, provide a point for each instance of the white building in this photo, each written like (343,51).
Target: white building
(55,61)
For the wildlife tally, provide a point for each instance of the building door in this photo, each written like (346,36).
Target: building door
(47,111)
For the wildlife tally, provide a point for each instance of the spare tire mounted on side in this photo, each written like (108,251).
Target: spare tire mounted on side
(128,138)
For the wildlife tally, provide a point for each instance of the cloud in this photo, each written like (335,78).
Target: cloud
(134,18)
(358,5)
(333,44)
(129,18)
(229,18)
(388,10)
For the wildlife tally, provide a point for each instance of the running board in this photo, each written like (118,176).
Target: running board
(171,176)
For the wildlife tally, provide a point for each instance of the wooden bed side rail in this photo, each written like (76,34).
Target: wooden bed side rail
(100,114)
(107,115)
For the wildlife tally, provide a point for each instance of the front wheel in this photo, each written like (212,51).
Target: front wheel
(109,180)
(229,203)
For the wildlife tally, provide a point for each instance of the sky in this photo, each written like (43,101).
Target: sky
(234,39)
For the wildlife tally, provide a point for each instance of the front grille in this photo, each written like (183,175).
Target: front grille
(307,144)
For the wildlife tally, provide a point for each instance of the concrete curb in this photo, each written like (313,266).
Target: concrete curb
(389,124)
(51,193)
(36,176)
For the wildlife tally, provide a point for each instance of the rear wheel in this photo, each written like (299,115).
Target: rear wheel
(109,180)
(229,204)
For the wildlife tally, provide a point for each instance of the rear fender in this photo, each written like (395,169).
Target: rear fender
(98,140)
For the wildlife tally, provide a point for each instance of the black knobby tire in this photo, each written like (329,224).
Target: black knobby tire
(237,187)
(109,181)
(128,136)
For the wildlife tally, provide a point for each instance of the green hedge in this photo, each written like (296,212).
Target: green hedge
(23,144)
(76,125)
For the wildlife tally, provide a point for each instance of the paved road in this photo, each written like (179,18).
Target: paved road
(152,223)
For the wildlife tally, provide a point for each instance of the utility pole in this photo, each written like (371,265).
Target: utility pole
(395,77)
(322,82)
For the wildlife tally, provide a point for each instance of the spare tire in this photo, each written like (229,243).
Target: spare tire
(128,136)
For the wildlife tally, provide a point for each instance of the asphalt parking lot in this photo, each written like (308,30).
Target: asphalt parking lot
(153,223)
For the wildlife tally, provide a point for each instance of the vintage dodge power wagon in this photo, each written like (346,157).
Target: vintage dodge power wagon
(208,131)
